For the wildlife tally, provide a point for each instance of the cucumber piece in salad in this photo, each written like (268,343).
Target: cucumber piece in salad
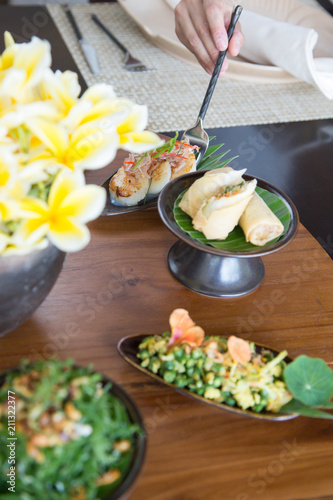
(210,371)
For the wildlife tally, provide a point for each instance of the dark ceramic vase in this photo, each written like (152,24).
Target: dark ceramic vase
(25,281)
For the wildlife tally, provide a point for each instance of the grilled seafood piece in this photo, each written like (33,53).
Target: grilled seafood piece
(129,188)
(185,169)
(148,173)
(161,174)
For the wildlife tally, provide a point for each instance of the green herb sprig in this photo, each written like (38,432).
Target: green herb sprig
(155,153)
(136,164)
(211,161)
(167,147)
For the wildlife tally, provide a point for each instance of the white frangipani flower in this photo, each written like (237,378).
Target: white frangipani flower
(22,67)
(18,114)
(87,148)
(99,92)
(62,218)
(48,136)
(62,89)
(133,137)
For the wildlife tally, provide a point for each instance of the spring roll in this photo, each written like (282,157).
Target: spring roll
(207,186)
(259,223)
(220,214)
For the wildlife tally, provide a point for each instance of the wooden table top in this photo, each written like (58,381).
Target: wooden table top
(120,285)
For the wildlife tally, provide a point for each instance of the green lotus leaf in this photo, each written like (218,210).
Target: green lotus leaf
(310,380)
(295,406)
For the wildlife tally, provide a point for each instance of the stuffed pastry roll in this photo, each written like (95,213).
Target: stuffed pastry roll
(259,223)
(219,215)
(207,186)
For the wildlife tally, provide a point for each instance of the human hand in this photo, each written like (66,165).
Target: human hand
(201,25)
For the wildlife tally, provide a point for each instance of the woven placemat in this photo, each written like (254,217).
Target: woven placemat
(174,91)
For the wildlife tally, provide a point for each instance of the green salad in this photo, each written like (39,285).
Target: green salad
(75,439)
(218,369)
(236,372)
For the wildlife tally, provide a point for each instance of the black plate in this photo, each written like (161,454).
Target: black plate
(174,188)
(128,347)
(140,441)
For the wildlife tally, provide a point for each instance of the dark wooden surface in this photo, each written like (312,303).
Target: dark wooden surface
(120,285)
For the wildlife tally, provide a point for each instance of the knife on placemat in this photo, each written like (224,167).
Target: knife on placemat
(87,49)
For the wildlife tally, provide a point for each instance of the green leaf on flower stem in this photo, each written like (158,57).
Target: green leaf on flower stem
(310,380)
(24,138)
(295,406)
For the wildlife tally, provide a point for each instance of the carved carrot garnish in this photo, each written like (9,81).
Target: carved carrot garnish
(183,329)
(239,349)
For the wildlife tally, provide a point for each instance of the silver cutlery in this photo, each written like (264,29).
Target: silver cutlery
(130,62)
(87,49)
(197,135)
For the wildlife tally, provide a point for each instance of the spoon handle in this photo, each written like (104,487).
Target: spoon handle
(234,18)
